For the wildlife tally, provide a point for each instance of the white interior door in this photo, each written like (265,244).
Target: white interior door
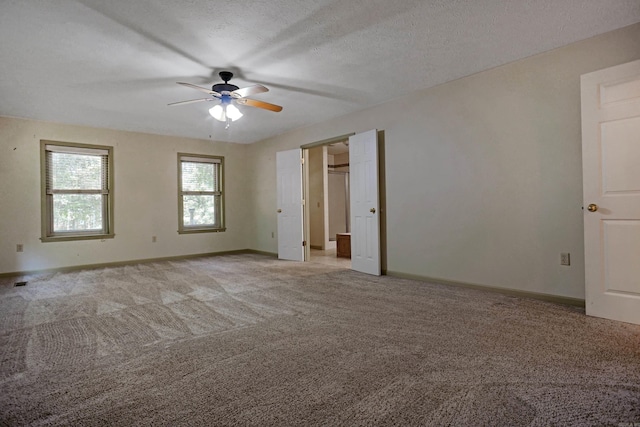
(611,179)
(365,209)
(289,204)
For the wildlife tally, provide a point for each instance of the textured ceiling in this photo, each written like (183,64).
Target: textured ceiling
(114,63)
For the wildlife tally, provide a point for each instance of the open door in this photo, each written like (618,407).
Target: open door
(611,186)
(365,208)
(289,205)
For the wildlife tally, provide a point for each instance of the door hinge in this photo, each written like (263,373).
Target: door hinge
(302,160)
(304,243)
(303,202)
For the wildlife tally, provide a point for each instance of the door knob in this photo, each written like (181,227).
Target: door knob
(592,207)
(279,210)
(372,210)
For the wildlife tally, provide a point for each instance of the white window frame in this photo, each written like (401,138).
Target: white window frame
(201,158)
(47,193)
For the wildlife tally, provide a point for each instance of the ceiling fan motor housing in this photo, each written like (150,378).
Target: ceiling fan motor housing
(224,87)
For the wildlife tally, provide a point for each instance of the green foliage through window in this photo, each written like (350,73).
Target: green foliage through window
(77,212)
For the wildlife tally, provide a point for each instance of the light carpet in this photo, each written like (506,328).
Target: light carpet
(250,340)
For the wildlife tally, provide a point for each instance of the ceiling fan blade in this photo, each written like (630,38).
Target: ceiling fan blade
(259,104)
(249,90)
(200,88)
(191,101)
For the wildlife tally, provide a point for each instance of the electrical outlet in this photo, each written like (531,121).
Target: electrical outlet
(19,247)
(154,239)
(565,259)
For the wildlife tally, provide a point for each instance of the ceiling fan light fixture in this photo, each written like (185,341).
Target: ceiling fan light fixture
(223,112)
(233,113)
(218,113)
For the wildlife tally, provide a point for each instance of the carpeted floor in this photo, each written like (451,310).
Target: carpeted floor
(249,340)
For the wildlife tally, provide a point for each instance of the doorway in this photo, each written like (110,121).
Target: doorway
(366,205)
(328,202)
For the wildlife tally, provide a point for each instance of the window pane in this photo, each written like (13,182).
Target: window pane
(200,210)
(77,212)
(199,176)
(76,171)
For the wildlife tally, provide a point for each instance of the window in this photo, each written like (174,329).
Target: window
(77,191)
(200,193)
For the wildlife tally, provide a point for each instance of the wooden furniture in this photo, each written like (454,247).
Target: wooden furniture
(343,245)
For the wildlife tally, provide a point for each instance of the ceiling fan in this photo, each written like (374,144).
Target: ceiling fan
(227,95)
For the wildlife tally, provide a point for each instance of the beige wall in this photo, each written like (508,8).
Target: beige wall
(341,159)
(337,195)
(316,197)
(145,198)
(483,174)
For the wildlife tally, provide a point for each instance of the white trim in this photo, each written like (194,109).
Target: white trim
(76,150)
(192,159)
